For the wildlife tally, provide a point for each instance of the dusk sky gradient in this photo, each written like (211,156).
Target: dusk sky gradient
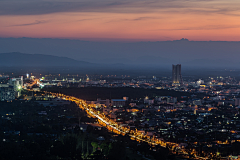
(134,20)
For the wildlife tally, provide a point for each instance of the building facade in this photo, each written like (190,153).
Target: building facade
(118,102)
(176,75)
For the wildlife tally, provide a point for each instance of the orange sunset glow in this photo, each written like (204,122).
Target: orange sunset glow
(215,20)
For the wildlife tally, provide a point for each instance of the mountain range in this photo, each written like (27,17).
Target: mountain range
(35,60)
(17,59)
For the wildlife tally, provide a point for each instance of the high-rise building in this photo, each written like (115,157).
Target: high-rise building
(176,74)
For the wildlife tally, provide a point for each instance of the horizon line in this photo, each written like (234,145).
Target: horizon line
(116,39)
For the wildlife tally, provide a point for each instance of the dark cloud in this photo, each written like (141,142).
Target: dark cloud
(144,18)
(134,19)
(29,24)
(37,7)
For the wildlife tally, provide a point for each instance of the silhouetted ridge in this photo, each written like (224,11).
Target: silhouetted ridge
(23,59)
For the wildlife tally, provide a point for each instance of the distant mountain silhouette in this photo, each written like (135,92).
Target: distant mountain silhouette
(142,54)
(23,59)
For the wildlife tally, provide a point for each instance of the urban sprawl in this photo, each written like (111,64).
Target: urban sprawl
(193,118)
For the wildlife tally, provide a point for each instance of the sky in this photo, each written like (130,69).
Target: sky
(121,20)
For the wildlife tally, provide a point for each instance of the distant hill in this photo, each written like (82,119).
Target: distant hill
(22,59)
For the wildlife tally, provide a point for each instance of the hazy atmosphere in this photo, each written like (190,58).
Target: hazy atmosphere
(161,53)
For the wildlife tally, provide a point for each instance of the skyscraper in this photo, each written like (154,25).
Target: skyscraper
(176,74)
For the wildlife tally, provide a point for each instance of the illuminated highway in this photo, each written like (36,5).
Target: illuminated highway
(118,129)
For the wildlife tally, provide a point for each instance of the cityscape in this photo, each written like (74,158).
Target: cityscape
(190,118)
(119,80)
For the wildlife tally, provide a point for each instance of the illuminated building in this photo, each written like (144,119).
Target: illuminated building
(17,84)
(176,74)
(118,102)
(195,111)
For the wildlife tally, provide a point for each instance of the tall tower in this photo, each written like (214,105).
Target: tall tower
(176,74)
